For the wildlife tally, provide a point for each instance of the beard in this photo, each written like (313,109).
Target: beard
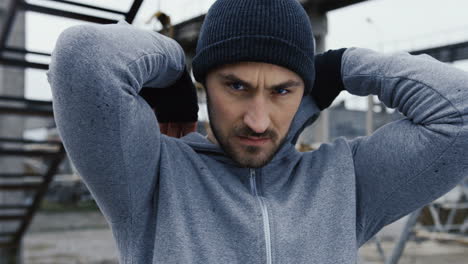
(245,156)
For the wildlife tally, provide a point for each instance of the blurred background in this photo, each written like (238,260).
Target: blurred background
(46,212)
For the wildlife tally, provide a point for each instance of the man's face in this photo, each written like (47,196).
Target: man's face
(251,106)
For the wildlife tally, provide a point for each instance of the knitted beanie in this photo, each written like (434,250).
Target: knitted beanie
(271,31)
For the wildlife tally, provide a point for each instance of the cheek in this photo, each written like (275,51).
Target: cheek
(225,113)
(283,116)
(284,122)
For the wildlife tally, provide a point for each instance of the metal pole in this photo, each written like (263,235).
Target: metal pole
(400,246)
(370,115)
(8,21)
(370,98)
(12,26)
(11,255)
(325,125)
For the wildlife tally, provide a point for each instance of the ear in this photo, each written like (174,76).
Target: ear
(200,86)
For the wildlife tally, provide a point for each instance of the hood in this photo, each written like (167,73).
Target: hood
(306,115)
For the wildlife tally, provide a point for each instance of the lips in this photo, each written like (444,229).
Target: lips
(253,141)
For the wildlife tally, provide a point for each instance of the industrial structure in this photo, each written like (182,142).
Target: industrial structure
(22,188)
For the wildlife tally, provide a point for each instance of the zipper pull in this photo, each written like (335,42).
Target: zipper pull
(253,187)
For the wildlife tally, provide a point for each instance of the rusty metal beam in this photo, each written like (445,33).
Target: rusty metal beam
(11,217)
(447,53)
(8,24)
(20,4)
(89,6)
(7,245)
(133,10)
(13,206)
(53,167)
(25,51)
(27,153)
(26,111)
(329,5)
(18,175)
(67,14)
(22,106)
(54,160)
(19,186)
(24,100)
(7,234)
(23,63)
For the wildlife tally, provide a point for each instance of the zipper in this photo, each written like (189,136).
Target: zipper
(266,221)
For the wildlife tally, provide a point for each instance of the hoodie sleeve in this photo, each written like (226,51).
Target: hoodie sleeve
(410,162)
(109,131)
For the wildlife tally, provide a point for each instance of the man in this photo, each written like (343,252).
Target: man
(244,194)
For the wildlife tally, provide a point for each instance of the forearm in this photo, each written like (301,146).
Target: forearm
(423,89)
(410,162)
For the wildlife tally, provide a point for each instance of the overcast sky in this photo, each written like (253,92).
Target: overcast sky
(385,25)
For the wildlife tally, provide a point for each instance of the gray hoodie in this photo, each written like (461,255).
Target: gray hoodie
(183,200)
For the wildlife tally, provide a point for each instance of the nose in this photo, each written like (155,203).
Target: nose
(257,115)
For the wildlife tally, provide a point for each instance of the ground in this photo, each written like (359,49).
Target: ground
(84,238)
(69,238)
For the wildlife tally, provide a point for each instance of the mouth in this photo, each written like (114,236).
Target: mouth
(253,141)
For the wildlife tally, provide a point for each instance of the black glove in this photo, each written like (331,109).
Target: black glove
(176,103)
(328,83)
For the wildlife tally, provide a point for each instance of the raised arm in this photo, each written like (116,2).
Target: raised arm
(109,131)
(411,162)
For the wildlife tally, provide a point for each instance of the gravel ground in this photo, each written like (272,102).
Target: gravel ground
(69,238)
(70,247)
(84,238)
(427,252)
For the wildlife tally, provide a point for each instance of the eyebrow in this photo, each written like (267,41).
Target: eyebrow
(234,78)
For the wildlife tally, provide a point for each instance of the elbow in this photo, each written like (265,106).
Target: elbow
(74,68)
(74,53)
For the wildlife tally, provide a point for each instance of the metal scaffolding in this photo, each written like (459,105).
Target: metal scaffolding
(31,186)
(7,53)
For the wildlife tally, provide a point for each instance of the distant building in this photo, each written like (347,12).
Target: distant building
(348,123)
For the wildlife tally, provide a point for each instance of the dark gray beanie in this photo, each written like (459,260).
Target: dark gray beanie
(271,31)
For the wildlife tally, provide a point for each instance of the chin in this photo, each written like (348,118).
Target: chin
(252,160)
(254,164)
(251,156)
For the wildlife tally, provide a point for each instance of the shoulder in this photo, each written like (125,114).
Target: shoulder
(338,152)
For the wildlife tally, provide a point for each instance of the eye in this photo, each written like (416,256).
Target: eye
(236,86)
(281,91)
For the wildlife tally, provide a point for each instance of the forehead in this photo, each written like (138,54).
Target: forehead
(252,71)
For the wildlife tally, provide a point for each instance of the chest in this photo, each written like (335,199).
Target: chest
(287,214)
